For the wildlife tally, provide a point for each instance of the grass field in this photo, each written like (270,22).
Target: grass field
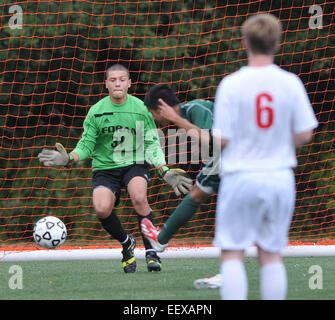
(102,279)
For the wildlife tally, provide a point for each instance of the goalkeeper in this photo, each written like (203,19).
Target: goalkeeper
(194,117)
(122,139)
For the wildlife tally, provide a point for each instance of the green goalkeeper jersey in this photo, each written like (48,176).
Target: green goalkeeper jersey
(116,136)
(198,112)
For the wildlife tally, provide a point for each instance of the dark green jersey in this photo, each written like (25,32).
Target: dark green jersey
(198,112)
(119,135)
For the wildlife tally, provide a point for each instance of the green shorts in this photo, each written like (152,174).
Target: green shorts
(208,179)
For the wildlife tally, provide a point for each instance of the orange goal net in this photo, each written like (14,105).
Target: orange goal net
(53,58)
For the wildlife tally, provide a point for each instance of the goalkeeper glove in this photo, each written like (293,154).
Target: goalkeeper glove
(177,179)
(51,158)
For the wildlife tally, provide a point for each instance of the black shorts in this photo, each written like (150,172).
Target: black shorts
(116,179)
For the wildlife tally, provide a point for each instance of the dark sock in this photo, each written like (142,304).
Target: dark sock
(113,226)
(146,242)
(183,213)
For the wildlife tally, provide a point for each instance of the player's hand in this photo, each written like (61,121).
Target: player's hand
(53,158)
(178,180)
(166,111)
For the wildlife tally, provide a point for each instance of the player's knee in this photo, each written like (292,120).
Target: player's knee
(198,195)
(139,200)
(103,202)
(103,209)
(266,257)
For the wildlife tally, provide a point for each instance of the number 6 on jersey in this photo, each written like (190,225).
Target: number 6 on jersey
(264,114)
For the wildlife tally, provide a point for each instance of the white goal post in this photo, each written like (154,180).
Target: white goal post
(182,252)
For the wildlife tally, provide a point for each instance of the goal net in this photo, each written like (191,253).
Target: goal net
(53,58)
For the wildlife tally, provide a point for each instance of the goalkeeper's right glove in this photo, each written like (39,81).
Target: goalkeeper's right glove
(51,158)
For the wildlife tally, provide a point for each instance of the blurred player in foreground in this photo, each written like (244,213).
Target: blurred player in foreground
(196,118)
(122,139)
(261,114)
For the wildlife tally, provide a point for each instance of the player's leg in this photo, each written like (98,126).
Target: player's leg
(137,189)
(273,278)
(103,202)
(206,185)
(182,214)
(235,283)
(105,196)
(159,238)
(278,207)
(235,227)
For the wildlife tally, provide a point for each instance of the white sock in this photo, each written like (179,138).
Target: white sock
(234,280)
(273,281)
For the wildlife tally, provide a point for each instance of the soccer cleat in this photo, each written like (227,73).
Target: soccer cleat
(151,233)
(128,260)
(153,261)
(208,282)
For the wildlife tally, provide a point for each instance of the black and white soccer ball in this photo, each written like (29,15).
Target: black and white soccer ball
(50,232)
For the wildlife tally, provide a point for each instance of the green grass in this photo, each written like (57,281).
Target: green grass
(102,279)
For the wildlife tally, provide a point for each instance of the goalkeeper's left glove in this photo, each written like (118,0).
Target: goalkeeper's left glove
(177,179)
(51,158)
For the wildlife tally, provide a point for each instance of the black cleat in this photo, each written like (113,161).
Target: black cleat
(153,261)
(128,260)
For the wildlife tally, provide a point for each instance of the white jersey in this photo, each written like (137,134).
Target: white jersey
(258,109)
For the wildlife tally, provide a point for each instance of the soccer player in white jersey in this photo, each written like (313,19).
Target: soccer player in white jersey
(261,114)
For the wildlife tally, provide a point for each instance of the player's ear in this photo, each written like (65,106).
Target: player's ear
(129,83)
(278,45)
(245,44)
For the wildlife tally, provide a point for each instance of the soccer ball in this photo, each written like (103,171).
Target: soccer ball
(50,232)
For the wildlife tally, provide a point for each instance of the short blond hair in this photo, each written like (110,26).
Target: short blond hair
(262,33)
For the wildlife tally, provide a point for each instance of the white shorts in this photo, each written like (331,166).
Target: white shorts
(255,208)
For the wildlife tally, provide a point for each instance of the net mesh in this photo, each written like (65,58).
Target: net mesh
(53,58)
